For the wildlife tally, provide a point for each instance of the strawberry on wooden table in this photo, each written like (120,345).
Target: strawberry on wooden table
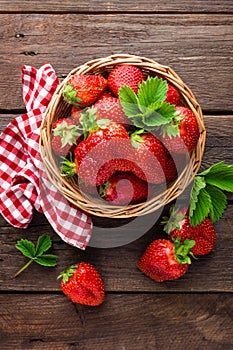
(207,204)
(164,260)
(203,234)
(84,90)
(83,284)
(124,75)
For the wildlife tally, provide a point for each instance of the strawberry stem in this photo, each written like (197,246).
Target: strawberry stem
(23,268)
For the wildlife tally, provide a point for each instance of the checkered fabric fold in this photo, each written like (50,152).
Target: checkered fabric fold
(23,181)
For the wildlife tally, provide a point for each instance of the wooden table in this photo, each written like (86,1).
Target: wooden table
(195,38)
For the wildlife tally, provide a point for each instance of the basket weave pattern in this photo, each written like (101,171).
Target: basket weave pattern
(59,108)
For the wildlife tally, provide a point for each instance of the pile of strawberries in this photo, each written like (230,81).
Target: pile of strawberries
(127,133)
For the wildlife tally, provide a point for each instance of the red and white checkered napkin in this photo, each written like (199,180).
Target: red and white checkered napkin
(23,181)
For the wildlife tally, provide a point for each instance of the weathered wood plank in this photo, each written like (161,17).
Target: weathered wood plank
(198,47)
(181,6)
(129,322)
(117,265)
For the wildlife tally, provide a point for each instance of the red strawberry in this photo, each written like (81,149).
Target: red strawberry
(170,169)
(178,225)
(82,284)
(75,114)
(124,188)
(149,155)
(84,90)
(174,165)
(110,107)
(104,96)
(172,96)
(186,132)
(125,75)
(98,156)
(165,260)
(65,136)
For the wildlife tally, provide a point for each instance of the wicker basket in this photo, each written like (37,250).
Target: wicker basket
(69,187)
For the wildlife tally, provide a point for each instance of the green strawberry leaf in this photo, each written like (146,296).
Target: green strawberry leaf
(198,185)
(66,274)
(26,247)
(103,123)
(147,109)
(69,95)
(129,101)
(173,221)
(202,208)
(220,175)
(47,260)
(160,113)
(151,91)
(36,254)
(218,202)
(182,251)
(170,129)
(43,244)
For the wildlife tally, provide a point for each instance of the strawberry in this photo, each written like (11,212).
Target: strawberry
(84,90)
(149,155)
(104,96)
(165,260)
(65,135)
(82,284)
(124,75)
(178,225)
(170,169)
(101,153)
(110,107)
(124,188)
(76,114)
(174,165)
(181,136)
(172,96)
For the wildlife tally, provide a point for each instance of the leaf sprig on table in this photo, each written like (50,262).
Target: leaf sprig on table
(207,196)
(36,253)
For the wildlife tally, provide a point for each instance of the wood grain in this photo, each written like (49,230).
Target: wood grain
(116,265)
(51,6)
(132,322)
(197,47)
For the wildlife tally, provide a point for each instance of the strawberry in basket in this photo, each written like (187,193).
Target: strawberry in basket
(182,134)
(84,90)
(123,188)
(107,106)
(99,155)
(149,155)
(65,136)
(124,75)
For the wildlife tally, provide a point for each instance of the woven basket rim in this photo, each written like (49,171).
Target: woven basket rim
(65,186)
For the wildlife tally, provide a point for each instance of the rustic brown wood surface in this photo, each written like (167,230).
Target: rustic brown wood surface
(177,6)
(197,47)
(195,39)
